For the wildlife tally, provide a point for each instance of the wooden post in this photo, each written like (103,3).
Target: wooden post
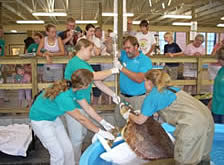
(100,20)
(34,77)
(120,23)
(199,74)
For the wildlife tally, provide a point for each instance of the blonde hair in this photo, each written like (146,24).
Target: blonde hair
(71,19)
(80,78)
(82,43)
(159,78)
(168,34)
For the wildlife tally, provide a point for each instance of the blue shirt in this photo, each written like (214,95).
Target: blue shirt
(156,101)
(141,63)
(47,109)
(75,64)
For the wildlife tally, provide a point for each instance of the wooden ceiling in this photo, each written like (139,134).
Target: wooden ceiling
(207,12)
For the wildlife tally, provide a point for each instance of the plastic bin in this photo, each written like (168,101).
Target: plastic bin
(91,156)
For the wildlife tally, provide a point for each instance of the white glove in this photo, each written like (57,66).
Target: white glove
(126,115)
(137,112)
(124,111)
(116,99)
(117,64)
(107,126)
(115,70)
(106,135)
(102,141)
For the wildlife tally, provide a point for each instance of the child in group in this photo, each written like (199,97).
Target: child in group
(171,49)
(23,77)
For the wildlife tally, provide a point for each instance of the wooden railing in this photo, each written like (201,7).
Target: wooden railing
(35,86)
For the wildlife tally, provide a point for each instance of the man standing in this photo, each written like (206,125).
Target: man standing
(132,65)
(145,38)
(129,31)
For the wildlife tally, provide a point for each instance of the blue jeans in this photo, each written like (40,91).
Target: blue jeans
(218,118)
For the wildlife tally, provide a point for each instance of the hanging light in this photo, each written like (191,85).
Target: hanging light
(177,16)
(181,23)
(50,14)
(30,21)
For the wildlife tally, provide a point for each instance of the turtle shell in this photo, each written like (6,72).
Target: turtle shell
(149,141)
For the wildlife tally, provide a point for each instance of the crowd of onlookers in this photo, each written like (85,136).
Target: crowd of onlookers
(52,43)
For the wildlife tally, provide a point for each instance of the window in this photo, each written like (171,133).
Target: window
(161,42)
(16,49)
(211,40)
(181,39)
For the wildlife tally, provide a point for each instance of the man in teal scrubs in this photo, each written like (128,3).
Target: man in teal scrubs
(133,64)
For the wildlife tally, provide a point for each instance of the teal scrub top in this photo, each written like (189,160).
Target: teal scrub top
(32,48)
(156,101)
(2,47)
(141,63)
(218,93)
(75,64)
(47,109)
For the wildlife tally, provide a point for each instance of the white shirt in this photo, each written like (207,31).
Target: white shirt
(145,41)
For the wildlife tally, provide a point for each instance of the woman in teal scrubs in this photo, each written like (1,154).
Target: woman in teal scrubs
(52,103)
(192,119)
(84,49)
(218,93)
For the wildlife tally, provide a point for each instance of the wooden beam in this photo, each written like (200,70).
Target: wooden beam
(197,11)
(13,11)
(210,11)
(25,6)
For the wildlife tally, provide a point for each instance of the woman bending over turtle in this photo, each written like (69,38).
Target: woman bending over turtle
(192,119)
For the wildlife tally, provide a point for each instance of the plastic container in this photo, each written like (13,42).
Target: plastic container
(91,156)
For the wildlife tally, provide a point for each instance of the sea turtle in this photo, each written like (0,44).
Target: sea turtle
(149,141)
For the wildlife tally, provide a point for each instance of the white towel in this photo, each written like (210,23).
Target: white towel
(15,139)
